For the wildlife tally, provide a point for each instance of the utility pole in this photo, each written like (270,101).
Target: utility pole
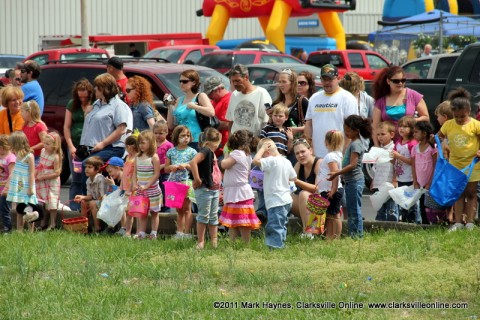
(84,22)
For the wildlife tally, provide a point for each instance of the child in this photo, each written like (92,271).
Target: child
(276,130)
(21,184)
(463,133)
(96,189)
(207,179)
(238,213)
(34,128)
(7,163)
(48,176)
(444,112)
(278,171)
(131,146)
(333,190)
(160,130)
(424,158)
(145,181)
(178,164)
(114,168)
(384,171)
(354,127)
(403,164)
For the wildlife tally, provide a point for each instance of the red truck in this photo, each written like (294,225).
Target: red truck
(42,57)
(365,63)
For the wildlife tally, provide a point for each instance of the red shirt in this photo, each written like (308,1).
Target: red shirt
(221,107)
(122,83)
(33,135)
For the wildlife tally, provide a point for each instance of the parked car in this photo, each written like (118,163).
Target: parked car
(43,57)
(57,80)
(188,54)
(9,61)
(431,67)
(267,73)
(365,63)
(224,60)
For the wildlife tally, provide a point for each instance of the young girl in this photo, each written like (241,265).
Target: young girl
(354,127)
(463,133)
(7,163)
(178,164)
(131,146)
(332,190)
(238,212)
(21,185)
(402,164)
(206,182)
(160,130)
(145,180)
(48,176)
(34,128)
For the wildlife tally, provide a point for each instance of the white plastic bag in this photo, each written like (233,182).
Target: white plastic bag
(110,209)
(376,155)
(381,196)
(406,196)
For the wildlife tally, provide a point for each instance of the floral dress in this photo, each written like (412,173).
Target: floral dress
(48,190)
(19,183)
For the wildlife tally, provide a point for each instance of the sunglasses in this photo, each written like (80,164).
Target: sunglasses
(301,141)
(302,83)
(397,81)
(128,90)
(23,70)
(18,79)
(287,71)
(184,81)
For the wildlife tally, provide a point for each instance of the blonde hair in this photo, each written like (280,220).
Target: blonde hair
(334,140)
(160,124)
(210,136)
(280,108)
(444,109)
(33,110)
(57,144)
(4,142)
(352,82)
(387,125)
(273,151)
(148,135)
(19,143)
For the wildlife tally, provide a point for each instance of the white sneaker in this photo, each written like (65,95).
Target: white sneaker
(30,216)
(469,226)
(307,236)
(178,235)
(187,236)
(457,226)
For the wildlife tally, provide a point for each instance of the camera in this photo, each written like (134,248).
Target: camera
(168,98)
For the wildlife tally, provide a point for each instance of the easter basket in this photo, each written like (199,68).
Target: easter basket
(75,224)
(316,204)
(256,178)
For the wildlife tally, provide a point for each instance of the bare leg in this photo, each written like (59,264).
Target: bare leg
(201,227)
(128,225)
(180,220)
(187,209)
(20,222)
(471,204)
(213,230)
(93,210)
(233,233)
(302,206)
(245,233)
(53,218)
(459,209)
(155,221)
(142,225)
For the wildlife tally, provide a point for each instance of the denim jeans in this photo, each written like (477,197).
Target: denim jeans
(105,155)
(5,207)
(75,185)
(276,227)
(388,212)
(261,203)
(353,197)
(411,215)
(207,202)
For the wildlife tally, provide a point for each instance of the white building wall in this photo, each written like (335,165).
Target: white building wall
(23,21)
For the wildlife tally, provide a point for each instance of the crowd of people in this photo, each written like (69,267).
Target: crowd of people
(300,145)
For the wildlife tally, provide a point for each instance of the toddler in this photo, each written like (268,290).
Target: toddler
(160,130)
(34,128)
(7,163)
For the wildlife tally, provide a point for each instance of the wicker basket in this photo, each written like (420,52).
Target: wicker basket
(77,224)
(317,204)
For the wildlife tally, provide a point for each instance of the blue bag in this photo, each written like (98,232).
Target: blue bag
(448,182)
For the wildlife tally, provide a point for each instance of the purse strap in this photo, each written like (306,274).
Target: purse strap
(439,147)
(300,111)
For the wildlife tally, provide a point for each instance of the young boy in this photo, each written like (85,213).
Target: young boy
(278,171)
(96,189)
(114,168)
(276,130)
(384,171)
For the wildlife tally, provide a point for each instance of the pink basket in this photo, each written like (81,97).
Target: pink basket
(256,179)
(138,206)
(175,194)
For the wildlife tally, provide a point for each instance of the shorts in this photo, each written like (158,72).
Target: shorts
(335,201)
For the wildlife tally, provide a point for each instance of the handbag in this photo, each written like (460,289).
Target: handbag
(431,203)
(138,206)
(448,182)
(204,121)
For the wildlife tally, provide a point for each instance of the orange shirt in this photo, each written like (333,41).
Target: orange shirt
(17,122)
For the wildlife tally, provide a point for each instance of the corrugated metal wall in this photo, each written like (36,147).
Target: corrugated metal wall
(22,21)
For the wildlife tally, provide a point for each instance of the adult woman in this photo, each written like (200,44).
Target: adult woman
(10,118)
(307,168)
(305,84)
(184,110)
(353,83)
(393,100)
(139,93)
(105,126)
(77,108)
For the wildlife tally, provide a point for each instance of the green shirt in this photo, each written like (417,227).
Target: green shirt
(77,123)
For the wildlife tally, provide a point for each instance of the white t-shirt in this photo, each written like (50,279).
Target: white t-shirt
(327,112)
(403,170)
(278,171)
(323,183)
(247,111)
(383,171)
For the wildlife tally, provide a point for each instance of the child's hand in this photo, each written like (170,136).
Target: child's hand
(39,176)
(332,175)
(394,154)
(289,133)
(78,198)
(110,181)
(416,185)
(196,184)
(181,167)
(141,188)
(30,191)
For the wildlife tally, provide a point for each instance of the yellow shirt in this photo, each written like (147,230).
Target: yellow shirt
(17,122)
(464,143)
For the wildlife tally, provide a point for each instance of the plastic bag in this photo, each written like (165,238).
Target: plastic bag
(406,196)
(381,196)
(110,209)
(376,155)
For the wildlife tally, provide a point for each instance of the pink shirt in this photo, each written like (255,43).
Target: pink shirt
(162,152)
(33,135)
(4,172)
(423,164)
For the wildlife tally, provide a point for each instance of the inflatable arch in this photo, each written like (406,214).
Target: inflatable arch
(273,16)
(394,10)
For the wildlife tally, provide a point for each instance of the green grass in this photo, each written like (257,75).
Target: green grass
(59,275)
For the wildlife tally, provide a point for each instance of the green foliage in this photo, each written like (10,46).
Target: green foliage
(455,41)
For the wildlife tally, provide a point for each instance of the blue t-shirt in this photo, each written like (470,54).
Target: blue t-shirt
(188,118)
(33,91)
(141,113)
(355,146)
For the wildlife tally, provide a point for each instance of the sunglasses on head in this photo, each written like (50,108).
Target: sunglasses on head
(128,90)
(301,141)
(397,81)
(184,81)
(302,83)
(287,71)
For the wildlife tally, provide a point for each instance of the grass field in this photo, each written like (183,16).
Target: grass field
(59,275)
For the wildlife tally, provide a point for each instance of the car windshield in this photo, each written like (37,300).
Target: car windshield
(82,55)
(170,80)
(171,55)
(9,62)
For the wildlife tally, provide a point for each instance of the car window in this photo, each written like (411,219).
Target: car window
(9,62)
(171,55)
(216,61)
(356,60)
(376,62)
(417,69)
(319,60)
(444,65)
(40,59)
(82,55)
(262,76)
(193,56)
(243,59)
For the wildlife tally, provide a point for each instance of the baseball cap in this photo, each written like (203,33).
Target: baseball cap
(115,161)
(115,62)
(238,69)
(212,83)
(329,71)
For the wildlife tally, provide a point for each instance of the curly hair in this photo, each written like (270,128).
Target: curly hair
(81,85)
(143,90)
(357,123)
(311,83)
(460,99)
(380,86)
(243,140)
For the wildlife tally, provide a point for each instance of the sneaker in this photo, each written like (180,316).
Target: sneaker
(152,236)
(121,232)
(456,227)
(187,236)
(469,226)
(307,236)
(178,235)
(139,236)
(30,216)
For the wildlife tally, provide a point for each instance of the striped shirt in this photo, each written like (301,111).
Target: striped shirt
(278,136)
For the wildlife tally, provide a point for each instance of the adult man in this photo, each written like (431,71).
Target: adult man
(29,73)
(427,50)
(215,89)
(327,109)
(115,68)
(133,51)
(246,109)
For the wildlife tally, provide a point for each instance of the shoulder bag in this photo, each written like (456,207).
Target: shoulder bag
(205,121)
